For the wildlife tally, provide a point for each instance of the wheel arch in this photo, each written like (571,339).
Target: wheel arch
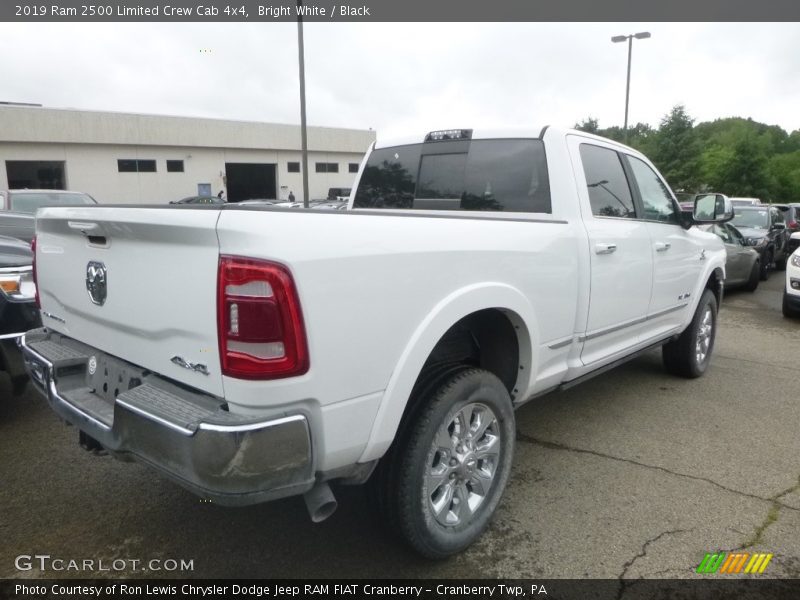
(489,298)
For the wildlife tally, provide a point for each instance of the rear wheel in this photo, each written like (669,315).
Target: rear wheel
(444,480)
(689,355)
(752,281)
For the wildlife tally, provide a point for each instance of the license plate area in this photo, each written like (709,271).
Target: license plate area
(108,377)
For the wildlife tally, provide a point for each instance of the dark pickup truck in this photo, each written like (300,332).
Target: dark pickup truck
(18,312)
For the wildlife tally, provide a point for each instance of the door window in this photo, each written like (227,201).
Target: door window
(723,233)
(738,237)
(609,193)
(656,197)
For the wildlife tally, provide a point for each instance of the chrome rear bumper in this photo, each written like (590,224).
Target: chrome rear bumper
(190,437)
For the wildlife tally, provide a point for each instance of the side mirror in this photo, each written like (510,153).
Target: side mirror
(712,208)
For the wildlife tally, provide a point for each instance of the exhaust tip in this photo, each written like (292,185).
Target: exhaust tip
(320,502)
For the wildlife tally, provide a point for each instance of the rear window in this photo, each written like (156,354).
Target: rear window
(29,202)
(483,175)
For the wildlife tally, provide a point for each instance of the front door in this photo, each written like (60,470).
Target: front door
(677,253)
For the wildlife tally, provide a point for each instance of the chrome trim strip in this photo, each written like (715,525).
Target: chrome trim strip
(666,311)
(251,426)
(612,329)
(638,321)
(11,336)
(561,344)
(15,269)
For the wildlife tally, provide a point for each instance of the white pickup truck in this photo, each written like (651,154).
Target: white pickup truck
(252,353)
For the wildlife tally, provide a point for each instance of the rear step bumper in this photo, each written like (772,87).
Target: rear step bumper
(189,437)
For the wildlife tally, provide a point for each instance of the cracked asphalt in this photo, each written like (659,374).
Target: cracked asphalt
(632,474)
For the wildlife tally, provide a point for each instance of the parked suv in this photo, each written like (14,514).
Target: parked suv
(765,230)
(18,312)
(791,290)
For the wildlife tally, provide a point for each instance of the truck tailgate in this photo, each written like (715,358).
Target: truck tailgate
(160,270)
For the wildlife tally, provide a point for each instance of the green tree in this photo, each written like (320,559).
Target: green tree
(589,125)
(746,174)
(784,171)
(676,150)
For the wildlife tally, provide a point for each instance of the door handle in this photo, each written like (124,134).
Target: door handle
(605,248)
(663,246)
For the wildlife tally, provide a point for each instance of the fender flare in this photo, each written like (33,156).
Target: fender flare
(437,322)
(716,266)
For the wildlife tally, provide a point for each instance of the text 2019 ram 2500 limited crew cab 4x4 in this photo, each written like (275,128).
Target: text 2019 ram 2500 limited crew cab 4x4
(252,353)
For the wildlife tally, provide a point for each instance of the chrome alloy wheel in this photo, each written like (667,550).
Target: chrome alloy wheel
(462,464)
(704,334)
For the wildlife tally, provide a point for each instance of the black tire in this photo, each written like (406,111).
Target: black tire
(788,311)
(19,385)
(681,357)
(780,265)
(407,471)
(755,276)
(766,266)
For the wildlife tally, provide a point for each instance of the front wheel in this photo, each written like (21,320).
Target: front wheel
(766,266)
(454,464)
(689,355)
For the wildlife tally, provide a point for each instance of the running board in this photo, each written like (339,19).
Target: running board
(620,361)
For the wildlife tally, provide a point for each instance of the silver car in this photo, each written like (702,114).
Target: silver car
(743,265)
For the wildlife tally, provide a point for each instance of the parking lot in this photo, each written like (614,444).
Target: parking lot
(633,474)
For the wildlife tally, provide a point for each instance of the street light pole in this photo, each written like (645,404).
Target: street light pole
(303,133)
(621,38)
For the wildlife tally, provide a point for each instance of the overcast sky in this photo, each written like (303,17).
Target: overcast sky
(410,77)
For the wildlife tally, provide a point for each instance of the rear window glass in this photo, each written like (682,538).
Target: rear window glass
(29,202)
(493,175)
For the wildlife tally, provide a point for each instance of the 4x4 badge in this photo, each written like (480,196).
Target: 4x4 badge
(97,282)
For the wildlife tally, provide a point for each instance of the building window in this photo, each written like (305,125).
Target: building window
(353,167)
(134,165)
(175,166)
(327,167)
(294,167)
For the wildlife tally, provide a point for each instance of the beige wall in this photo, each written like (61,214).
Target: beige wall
(90,143)
(92,168)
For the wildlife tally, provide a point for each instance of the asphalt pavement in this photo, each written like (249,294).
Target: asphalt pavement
(633,474)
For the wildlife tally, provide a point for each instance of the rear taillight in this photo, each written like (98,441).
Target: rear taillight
(259,321)
(792,224)
(35,280)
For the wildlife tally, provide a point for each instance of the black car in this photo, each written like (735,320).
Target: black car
(764,228)
(199,200)
(18,312)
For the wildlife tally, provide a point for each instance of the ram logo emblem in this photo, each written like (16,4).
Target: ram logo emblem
(97,282)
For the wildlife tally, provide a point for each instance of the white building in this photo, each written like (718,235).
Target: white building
(130,158)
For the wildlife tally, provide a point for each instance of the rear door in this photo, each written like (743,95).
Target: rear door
(157,297)
(619,246)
